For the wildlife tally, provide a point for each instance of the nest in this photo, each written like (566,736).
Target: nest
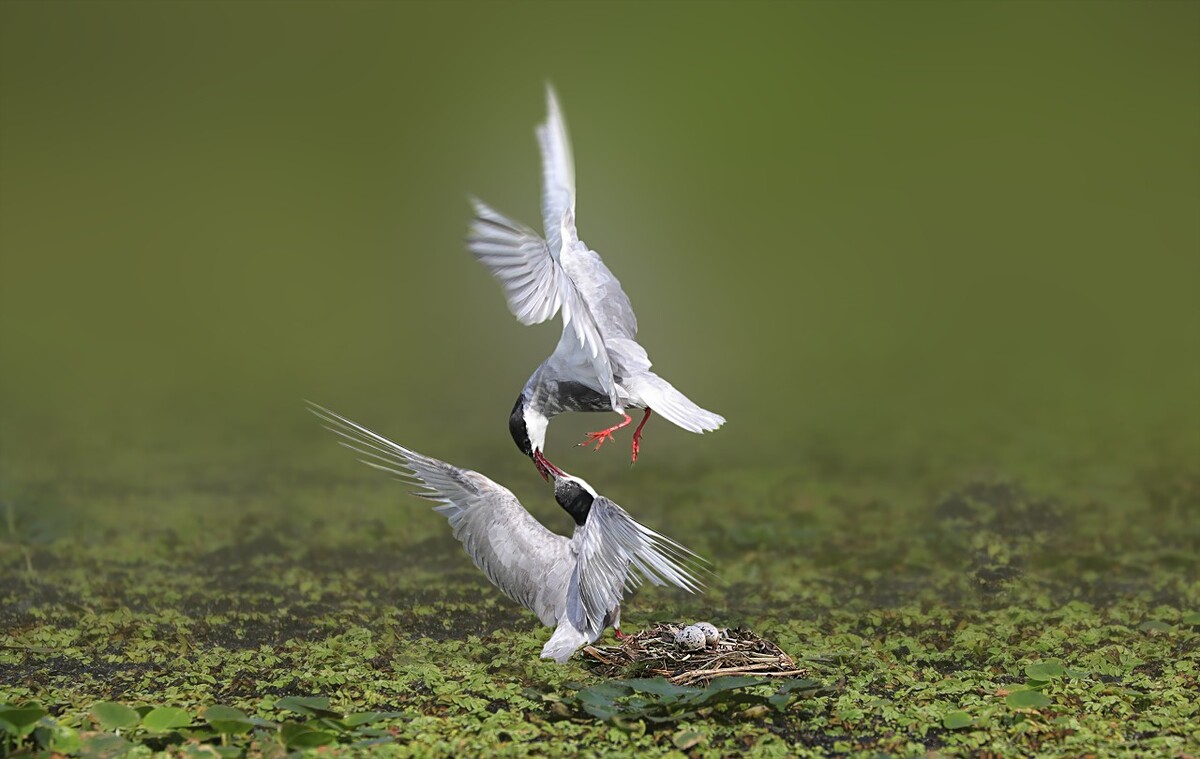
(654,652)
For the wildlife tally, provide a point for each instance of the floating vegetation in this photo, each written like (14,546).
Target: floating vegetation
(657,651)
(656,701)
(301,723)
(992,616)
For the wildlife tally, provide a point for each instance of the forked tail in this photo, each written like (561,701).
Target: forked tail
(673,405)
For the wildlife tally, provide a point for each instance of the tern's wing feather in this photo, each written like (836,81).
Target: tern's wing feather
(601,289)
(536,285)
(615,554)
(516,256)
(558,171)
(520,556)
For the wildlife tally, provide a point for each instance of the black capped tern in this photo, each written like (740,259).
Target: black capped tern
(574,585)
(598,364)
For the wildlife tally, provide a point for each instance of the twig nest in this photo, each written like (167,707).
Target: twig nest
(712,635)
(690,638)
(655,652)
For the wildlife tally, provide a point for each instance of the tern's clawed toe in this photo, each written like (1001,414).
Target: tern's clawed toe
(603,436)
(599,438)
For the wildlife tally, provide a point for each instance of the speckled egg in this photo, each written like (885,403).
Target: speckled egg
(711,633)
(690,638)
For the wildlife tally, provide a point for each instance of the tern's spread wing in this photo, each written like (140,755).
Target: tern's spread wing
(615,554)
(536,285)
(520,556)
(558,171)
(610,306)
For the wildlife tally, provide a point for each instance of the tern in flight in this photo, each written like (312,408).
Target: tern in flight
(598,364)
(574,585)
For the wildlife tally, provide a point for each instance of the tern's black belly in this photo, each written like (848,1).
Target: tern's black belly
(574,396)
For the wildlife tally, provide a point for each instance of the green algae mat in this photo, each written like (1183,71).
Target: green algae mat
(992,616)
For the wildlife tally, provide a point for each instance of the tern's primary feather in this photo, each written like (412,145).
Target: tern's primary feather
(558,172)
(612,543)
(576,584)
(514,550)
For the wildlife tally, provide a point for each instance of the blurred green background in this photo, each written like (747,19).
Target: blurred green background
(880,238)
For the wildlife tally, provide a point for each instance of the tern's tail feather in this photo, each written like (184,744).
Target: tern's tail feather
(565,641)
(677,408)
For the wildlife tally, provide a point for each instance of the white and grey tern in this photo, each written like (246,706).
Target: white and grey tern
(598,364)
(574,585)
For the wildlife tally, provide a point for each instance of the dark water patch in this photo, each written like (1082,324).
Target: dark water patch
(453,622)
(1002,507)
(238,554)
(867,734)
(894,590)
(994,578)
(254,632)
(431,553)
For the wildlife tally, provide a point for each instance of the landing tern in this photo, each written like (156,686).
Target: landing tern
(574,585)
(598,364)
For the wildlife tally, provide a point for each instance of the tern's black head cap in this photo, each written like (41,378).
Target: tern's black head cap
(574,498)
(516,427)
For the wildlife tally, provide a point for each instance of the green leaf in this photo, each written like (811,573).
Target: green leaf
(166,718)
(734,682)
(594,696)
(104,745)
(661,688)
(1191,618)
(313,706)
(1154,625)
(296,735)
(64,740)
(799,683)
(609,690)
(20,721)
(788,691)
(1027,699)
(729,690)
(224,713)
(227,720)
(1045,671)
(685,739)
(601,711)
(22,716)
(957,720)
(370,718)
(112,716)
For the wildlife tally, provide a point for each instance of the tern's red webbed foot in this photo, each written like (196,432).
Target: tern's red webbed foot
(637,435)
(603,436)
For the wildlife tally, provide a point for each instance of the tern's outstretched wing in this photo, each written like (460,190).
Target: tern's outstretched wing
(536,285)
(520,556)
(558,172)
(615,554)
(608,302)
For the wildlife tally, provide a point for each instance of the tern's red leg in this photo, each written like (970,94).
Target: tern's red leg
(637,434)
(617,631)
(601,437)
